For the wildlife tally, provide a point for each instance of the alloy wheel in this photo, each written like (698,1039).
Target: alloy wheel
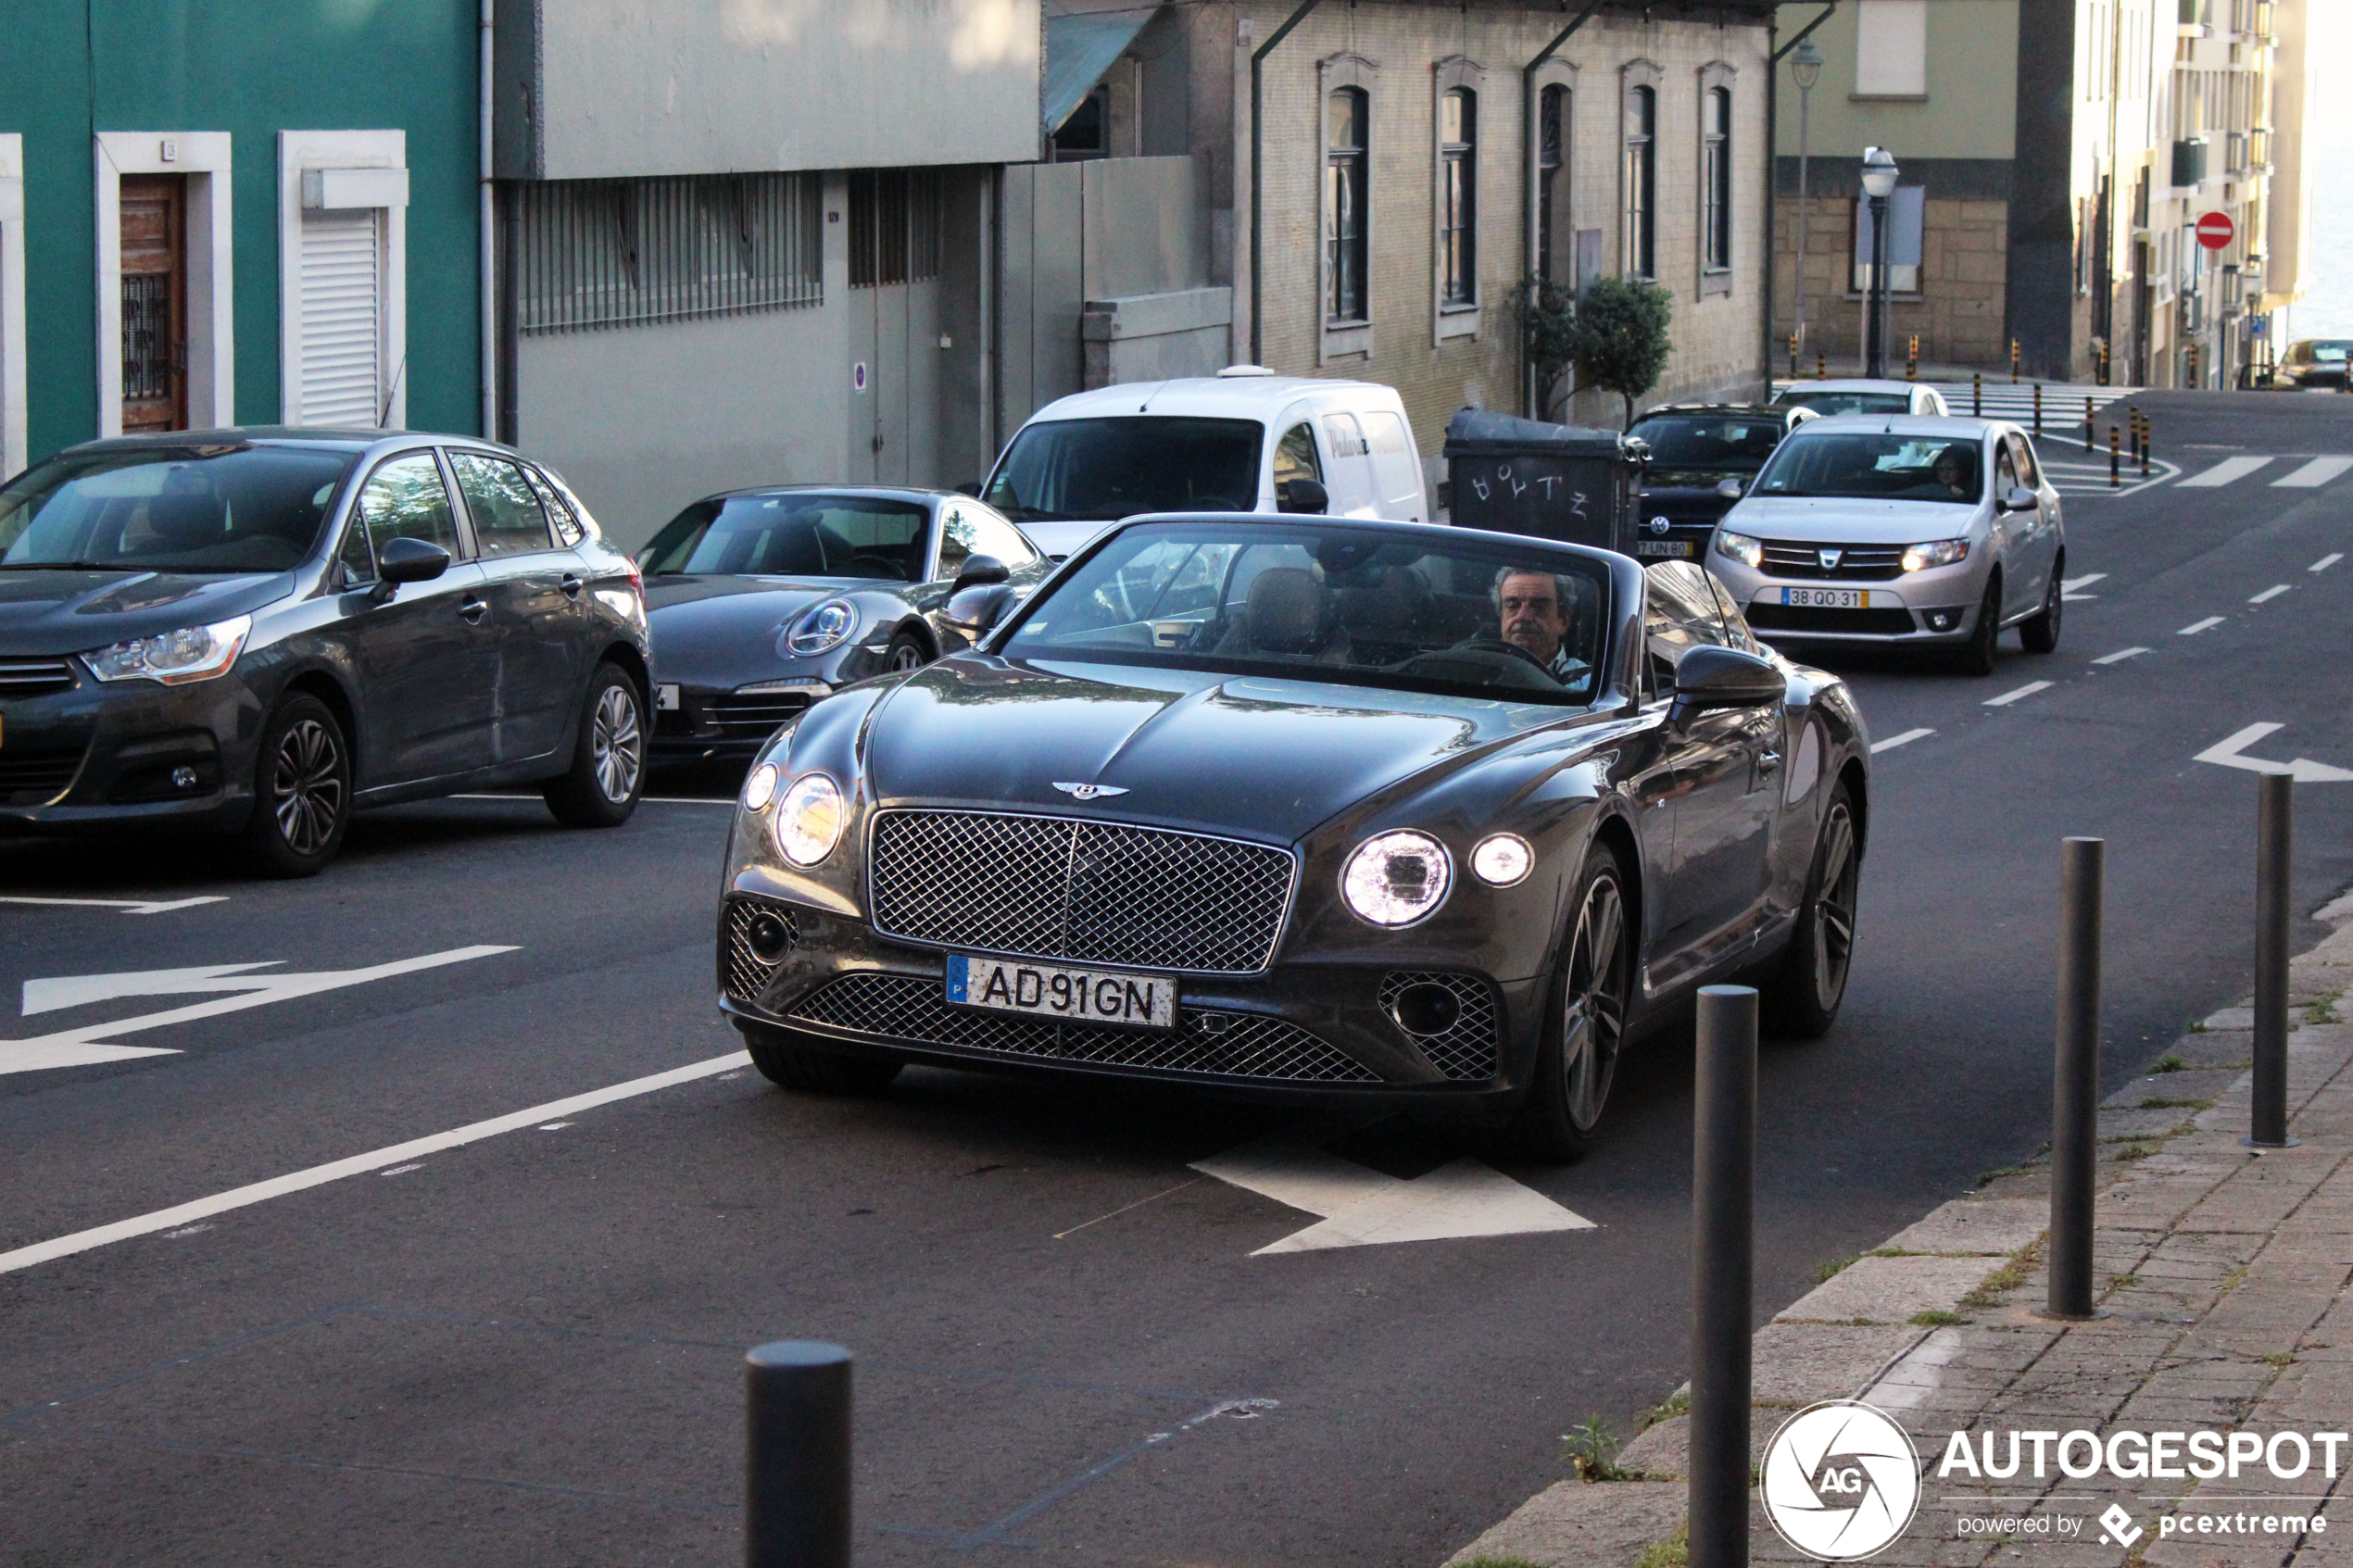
(905,656)
(1834,906)
(1593,1002)
(616,744)
(306,786)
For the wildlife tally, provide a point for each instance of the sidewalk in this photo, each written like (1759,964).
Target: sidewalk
(2225,1276)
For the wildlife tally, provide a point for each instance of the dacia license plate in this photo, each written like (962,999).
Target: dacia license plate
(1675,547)
(1827,598)
(1091,996)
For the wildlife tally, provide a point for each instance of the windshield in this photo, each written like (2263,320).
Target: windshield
(1877,466)
(793,535)
(172,509)
(1716,443)
(1105,469)
(1321,602)
(1831,403)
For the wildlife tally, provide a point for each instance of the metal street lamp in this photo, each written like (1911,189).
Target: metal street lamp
(1805,69)
(1878,183)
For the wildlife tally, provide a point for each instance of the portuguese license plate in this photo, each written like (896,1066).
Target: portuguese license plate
(1092,996)
(1675,547)
(1827,598)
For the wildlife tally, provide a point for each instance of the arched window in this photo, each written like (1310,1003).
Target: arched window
(1345,172)
(1458,197)
(1715,166)
(1552,148)
(1642,181)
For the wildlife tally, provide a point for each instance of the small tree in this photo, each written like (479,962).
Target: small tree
(1548,328)
(1621,337)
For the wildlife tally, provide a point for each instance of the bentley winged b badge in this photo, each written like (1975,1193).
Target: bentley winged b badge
(1088,791)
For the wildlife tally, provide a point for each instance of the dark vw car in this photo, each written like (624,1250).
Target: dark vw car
(1331,810)
(761,601)
(1703,459)
(256,632)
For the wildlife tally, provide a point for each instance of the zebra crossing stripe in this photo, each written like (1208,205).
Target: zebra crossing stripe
(2223,472)
(2314,474)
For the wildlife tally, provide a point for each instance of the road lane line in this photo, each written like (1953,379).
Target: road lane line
(2223,472)
(642,800)
(2312,475)
(2268,595)
(2119,655)
(2326,561)
(140,906)
(2025,691)
(2195,627)
(1905,738)
(359,1164)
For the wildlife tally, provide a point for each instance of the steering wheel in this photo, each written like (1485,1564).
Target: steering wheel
(1485,660)
(889,568)
(1499,645)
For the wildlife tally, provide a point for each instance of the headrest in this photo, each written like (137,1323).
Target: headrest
(184,516)
(1285,611)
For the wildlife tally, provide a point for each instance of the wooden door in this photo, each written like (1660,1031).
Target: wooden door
(154,302)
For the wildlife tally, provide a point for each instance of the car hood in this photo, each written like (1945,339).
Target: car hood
(72,611)
(722,630)
(1837,521)
(1258,758)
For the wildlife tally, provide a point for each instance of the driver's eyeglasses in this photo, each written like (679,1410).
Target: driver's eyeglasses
(1542,604)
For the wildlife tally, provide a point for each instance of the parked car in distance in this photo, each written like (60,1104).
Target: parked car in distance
(257,632)
(760,602)
(1862,396)
(2313,362)
(1703,456)
(1378,814)
(1935,532)
(1245,440)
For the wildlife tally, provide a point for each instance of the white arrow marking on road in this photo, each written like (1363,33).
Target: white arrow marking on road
(1363,1207)
(2228,753)
(2067,589)
(2326,561)
(2119,655)
(2314,474)
(2268,595)
(128,906)
(2195,627)
(2009,697)
(1906,738)
(2223,472)
(82,1047)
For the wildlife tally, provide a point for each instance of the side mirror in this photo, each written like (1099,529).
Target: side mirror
(407,560)
(1710,678)
(1728,488)
(2020,499)
(972,613)
(979,571)
(1304,496)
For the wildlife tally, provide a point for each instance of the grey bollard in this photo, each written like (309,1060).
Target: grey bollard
(1723,1275)
(2075,1087)
(796,1456)
(2274,862)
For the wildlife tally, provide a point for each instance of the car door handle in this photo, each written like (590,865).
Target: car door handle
(471,609)
(570,585)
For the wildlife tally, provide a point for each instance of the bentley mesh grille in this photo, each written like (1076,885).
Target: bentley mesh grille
(743,973)
(1053,887)
(905,1008)
(1466,1048)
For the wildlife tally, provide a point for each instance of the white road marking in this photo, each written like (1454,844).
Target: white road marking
(2268,595)
(80,1047)
(128,906)
(553,1126)
(2025,691)
(358,1164)
(1365,1207)
(2119,655)
(2317,472)
(403,1169)
(2069,584)
(1905,738)
(2228,753)
(2223,472)
(2195,627)
(2326,561)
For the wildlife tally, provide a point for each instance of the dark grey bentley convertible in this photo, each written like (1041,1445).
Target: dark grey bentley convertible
(1330,809)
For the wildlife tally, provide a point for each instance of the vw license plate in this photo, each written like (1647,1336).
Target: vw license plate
(1677,548)
(1094,996)
(1827,598)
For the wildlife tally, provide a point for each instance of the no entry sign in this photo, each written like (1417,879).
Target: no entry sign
(2215,231)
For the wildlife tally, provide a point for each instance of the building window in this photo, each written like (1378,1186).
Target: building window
(1891,49)
(1716,175)
(1551,143)
(343,198)
(1642,181)
(1083,134)
(1345,167)
(894,226)
(604,253)
(1458,197)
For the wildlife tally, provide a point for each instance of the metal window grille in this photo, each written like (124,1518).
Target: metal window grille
(146,334)
(894,226)
(605,253)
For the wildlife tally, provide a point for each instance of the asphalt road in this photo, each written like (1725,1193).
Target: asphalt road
(523,1350)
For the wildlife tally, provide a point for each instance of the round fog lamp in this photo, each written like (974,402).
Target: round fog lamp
(760,789)
(1396,878)
(1503,859)
(810,817)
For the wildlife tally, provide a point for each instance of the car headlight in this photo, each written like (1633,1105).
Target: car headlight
(1942,552)
(1749,552)
(1396,878)
(809,818)
(823,628)
(194,653)
(1503,859)
(760,787)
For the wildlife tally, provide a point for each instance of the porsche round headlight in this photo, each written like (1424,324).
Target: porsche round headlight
(1503,859)
(760,789)
(809,818)
(1396,878)
(823,628)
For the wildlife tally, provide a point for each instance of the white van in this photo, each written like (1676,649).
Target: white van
(1244,440)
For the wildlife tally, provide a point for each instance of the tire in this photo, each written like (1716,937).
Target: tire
(793,1061)
(301,790)
(608,771)
(2040,632)
(1800,999)
(907,651)
(1586,1002)
(1976,655)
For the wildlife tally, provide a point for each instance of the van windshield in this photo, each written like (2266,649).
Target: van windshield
(1103,470)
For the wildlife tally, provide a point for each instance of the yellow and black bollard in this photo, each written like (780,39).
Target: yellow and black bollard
(2115,460)
(1821,365)
(1912,361)
(2103,362)
(2013,361)
(1976,394)
(2038,407)
(2089,433)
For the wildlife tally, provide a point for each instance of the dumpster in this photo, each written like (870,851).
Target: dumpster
(1553,482)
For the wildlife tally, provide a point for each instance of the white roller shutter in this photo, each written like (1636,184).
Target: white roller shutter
(342,317)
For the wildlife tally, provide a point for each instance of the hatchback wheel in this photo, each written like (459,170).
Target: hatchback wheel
(1976,655)
(1800,1000)
(608,771)
(2040,632)
(302,790)
(1578,1060)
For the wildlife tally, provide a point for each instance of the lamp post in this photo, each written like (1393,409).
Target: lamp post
(1805,68)
(1878,183)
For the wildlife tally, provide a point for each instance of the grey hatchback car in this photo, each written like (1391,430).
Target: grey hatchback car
(257,632)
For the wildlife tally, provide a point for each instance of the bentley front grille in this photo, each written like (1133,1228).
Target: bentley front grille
(759,932)
(1054,887)
(1230,1045)
(1463,1046)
